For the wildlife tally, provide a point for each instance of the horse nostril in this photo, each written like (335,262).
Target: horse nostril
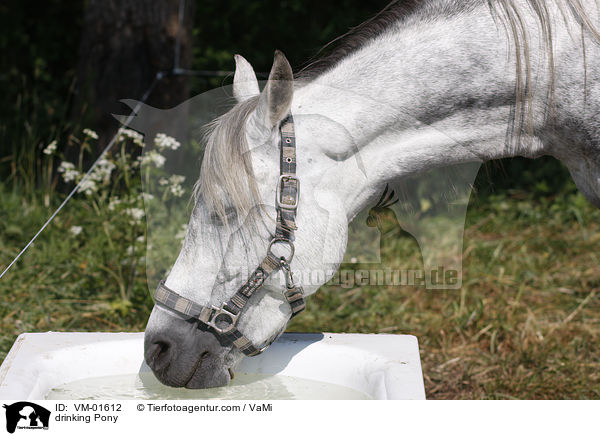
(158,355)
(161,348)
(205,354)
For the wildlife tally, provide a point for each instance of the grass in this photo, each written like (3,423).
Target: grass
(525,324)
(67,282)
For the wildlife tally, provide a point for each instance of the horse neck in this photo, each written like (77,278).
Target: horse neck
(427,93)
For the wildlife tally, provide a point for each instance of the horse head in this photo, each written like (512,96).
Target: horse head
(231,290)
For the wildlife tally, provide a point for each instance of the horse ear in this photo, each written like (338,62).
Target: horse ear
(245,84)
(276,99)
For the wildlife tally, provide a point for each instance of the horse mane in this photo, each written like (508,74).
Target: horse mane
(507,13)
(510,14)
(357,37)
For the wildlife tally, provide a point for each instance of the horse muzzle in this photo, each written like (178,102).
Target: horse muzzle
(182,355)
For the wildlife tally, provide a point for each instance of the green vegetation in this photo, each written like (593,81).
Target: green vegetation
(524,325)
(88,267)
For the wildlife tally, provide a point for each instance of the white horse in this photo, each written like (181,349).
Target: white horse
(438,83)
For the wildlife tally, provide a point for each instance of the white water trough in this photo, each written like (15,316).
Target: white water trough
(377,366)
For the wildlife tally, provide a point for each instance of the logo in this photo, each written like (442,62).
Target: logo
(26,415)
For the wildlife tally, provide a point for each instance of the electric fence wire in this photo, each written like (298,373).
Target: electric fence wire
(86,175)
(159,76)
(175,71)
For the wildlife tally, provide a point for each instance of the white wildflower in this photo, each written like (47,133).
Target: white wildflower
(102,171)
(146,196)
(163,141)
(68,171)
(141,239)
(90,133)
(113,202)
(157,159)
(75,230)
(65,166)
(130,250)
(163,182)
(152,157)
(137,137)
(177,190)
(50,148)
(176,179)
(175,187)
(135,213)
(88,186)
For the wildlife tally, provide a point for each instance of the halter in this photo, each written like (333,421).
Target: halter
(222,320)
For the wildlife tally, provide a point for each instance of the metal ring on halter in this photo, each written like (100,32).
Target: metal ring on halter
(222,320)
(283,241)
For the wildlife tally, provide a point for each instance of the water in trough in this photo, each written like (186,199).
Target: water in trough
(243,387)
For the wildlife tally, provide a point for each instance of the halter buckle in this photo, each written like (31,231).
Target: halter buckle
(220,315)
(278,200)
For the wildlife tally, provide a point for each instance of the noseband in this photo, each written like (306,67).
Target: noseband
(222,320)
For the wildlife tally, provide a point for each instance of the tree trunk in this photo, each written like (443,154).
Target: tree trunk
(124,44)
